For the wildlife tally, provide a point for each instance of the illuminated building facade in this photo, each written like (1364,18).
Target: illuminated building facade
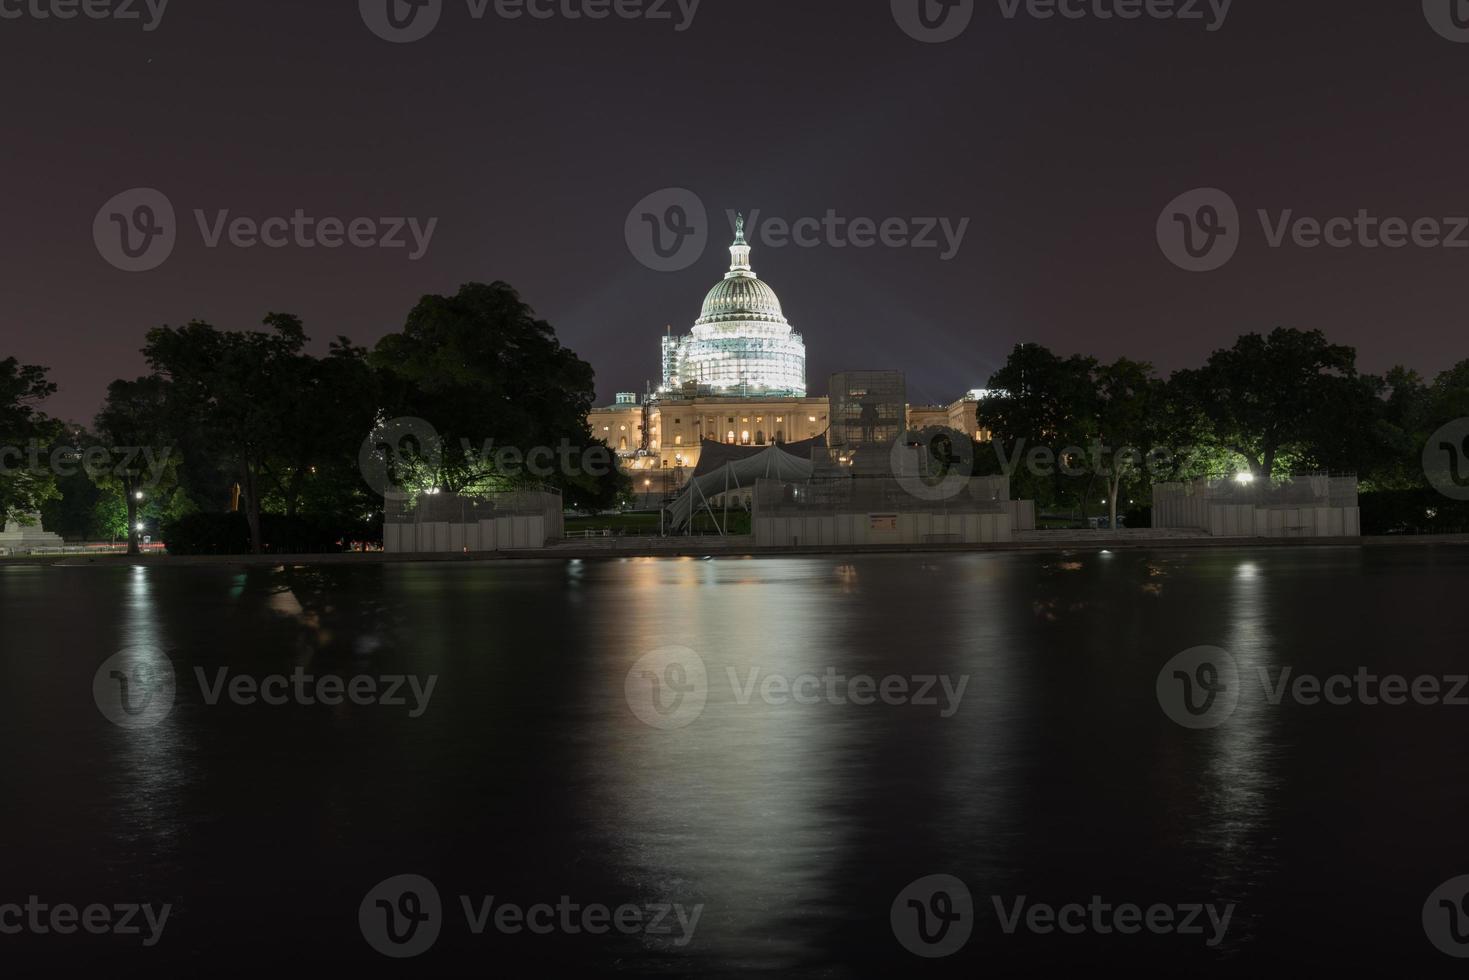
(739,378)
(742,345)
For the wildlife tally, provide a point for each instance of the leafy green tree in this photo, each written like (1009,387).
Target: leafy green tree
(1126,399)
(229,387)
(1042,401)
(23,487)
(331,403)
(491,376)
(134,429)
(1270,396)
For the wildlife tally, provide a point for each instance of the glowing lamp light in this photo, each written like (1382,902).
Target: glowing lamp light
(1244,479)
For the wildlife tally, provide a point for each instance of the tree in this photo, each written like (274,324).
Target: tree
(490,376)
(1042,401)
(1126,400)
(23,488)
(331,403)
(133,427)
(231,386)
(1269,395)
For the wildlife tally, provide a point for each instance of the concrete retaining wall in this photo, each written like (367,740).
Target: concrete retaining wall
(868,529)
(499,534)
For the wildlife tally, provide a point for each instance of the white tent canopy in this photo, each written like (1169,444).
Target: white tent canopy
(772,463)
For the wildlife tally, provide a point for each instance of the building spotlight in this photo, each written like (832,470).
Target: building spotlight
(1244,479)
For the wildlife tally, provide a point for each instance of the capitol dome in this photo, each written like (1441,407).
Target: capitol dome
(741,296)
(742,344)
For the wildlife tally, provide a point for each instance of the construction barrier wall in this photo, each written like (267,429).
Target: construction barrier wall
(877,529)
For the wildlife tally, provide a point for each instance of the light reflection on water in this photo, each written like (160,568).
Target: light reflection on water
(795,825)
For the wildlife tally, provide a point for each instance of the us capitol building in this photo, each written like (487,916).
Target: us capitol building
(738,378)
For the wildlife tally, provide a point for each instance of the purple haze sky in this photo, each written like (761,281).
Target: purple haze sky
(1061,141)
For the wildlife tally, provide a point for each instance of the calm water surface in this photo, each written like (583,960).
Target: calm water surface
(528,777)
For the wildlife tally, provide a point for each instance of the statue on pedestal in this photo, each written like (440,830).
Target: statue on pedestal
(22,539)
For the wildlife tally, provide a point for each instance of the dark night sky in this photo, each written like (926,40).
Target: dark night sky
(530,141)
